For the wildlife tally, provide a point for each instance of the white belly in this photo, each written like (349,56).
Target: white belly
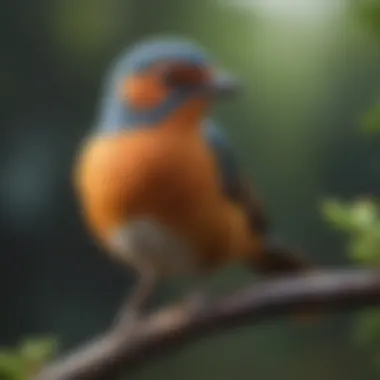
(146,242)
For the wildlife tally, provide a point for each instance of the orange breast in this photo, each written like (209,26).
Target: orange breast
(170,177)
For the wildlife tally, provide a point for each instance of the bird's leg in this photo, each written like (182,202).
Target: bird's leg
(134,305)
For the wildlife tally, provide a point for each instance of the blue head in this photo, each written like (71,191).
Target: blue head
(152,81)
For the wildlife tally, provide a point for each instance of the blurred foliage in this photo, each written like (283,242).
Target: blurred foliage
(371,120)
(23,361)
(369,12)
(360,221)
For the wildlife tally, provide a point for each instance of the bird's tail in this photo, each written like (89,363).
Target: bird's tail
(281,261)
(278,260)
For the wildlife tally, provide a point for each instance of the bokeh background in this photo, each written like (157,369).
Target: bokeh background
(311,69)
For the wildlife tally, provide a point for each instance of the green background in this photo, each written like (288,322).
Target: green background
(311,71)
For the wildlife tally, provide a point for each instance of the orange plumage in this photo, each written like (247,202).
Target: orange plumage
(169,174)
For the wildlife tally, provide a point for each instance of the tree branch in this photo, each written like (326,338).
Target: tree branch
(122,349)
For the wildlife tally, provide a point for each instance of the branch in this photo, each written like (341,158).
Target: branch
(121,350)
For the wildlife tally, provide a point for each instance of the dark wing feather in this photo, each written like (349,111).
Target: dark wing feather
(234,184)
(276,259)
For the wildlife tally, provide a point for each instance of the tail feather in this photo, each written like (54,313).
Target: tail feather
(277,260)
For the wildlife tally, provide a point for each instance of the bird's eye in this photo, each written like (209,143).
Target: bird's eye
(184,76)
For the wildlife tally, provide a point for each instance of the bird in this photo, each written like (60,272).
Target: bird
(157,180)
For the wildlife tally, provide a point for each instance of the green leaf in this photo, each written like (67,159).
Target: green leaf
(26,359)
(364,213)
(360,220)
(337,214)
(11,367)
(38,349)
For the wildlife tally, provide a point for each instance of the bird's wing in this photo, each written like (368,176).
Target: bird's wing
(277,259)
(234,183)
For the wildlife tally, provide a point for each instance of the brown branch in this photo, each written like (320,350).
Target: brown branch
(120,350)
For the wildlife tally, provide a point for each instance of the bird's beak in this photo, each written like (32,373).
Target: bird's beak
(223,84)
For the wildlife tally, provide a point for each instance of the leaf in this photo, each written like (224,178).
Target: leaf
(364,213)
(11,367)
(38,349)
(35,352)
(26,359)
(360,220)
(337,214)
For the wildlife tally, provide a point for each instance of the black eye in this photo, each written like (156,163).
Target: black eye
(185,76)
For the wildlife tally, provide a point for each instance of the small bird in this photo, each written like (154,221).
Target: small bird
(158,183)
